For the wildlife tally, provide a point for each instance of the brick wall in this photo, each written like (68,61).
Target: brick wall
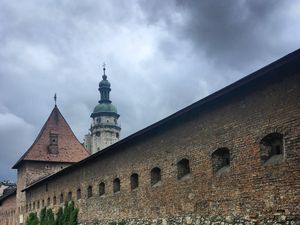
(248,190)
(8,210)
(29,172)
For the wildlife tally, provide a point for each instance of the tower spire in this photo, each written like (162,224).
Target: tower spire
(104,75)
(55,98)
(104,87)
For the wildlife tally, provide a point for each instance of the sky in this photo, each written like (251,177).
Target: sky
(160,57)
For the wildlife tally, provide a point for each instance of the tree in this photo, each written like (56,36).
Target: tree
(49,217)
(59,217)
(32,219)
(43,219)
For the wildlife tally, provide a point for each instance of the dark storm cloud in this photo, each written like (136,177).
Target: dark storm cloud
(161,56)
(235,34)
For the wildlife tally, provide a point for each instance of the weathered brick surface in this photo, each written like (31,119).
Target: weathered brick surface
(251,192)
(7,211)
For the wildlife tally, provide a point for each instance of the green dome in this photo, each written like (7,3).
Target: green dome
(105,107)
(104,83)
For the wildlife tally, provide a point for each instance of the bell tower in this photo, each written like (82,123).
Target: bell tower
(105,129)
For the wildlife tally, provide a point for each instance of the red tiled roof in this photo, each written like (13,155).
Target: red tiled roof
(69,148)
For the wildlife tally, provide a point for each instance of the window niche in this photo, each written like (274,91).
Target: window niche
(54,200)
(221,161)
(78,193)
(116,185)
(183,168)
(90,191)
(61,198)
(101,189)
(271,147)
(69,196)
(134,181)
(53,143)
(155,176)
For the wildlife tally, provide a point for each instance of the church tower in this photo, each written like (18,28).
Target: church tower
(105,129)
(55,148)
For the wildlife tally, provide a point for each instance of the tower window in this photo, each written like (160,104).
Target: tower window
(98,134)
(53,144)
(155,176)
(117,135)
(220,160)
(101,189)
(43,203)
(271,145)
(78,193)
(116,185)
(38,205)
(134,181)
(183,168)
(48,201)
(90,191)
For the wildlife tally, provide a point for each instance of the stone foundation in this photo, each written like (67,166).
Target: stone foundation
(199,220)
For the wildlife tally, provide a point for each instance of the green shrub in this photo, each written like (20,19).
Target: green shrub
(32,219)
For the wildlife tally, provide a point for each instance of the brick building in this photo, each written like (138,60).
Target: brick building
(230,158)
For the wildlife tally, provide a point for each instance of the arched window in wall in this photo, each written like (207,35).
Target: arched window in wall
(78,193)
(101,188)
(61,198)
(271,145)
(48,201)
(220,160)
(134,181)
(54,200)
(90,191)
(69,196)
(183,168)
(116,185)
(155,176)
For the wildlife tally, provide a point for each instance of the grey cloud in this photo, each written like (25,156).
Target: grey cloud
(234,34)
(160,55)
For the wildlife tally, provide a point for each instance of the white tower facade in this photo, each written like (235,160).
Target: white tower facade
(105,129)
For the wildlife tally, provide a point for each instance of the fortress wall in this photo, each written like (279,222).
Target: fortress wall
(249,190)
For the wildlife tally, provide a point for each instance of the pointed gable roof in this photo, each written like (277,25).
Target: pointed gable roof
(70,150)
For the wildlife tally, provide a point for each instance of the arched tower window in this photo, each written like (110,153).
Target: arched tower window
(155,176)
(271,145)
(116,185)
(78,193)
(90,191)
(54,200)
(101,188)
(48,201)
(183,168)
(220,160)
(134,181)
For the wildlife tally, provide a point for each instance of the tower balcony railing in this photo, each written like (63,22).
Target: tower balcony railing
(108,125)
